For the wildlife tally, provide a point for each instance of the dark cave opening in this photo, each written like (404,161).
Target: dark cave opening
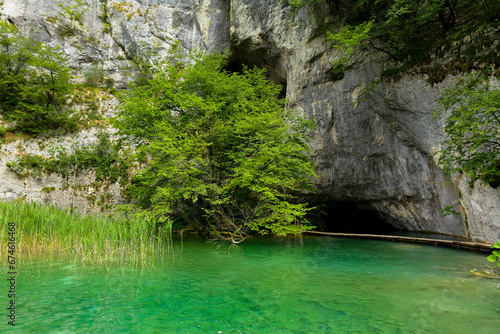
(237,64)
(350,217)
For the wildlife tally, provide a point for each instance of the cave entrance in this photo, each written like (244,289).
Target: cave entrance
(350,217)
(237,62)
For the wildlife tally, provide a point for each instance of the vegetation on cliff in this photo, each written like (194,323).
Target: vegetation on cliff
(108,158)
(472,129)
(436,37)
(37,95)
(34,83)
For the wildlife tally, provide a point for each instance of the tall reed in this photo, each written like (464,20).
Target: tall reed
(49,230)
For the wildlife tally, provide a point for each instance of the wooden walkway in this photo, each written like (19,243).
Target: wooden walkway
(436,242)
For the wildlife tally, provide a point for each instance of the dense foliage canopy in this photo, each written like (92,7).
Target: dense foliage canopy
(225,154)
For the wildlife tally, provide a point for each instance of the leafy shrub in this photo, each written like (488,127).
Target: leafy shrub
(495,256)
(94,75)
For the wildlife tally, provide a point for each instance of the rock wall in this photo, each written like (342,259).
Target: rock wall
(373,150)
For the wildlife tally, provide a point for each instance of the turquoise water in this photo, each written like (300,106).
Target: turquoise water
(266,285)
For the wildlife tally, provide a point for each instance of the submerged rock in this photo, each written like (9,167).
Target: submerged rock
(485,274)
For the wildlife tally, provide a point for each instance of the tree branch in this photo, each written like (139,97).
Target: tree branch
(382,50)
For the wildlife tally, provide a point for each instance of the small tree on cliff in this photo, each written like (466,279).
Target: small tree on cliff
(225,154)
(34,83)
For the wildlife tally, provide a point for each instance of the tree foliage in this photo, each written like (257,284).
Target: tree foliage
(34,83)
(472,130)
(495,256)
(416,32)
(225,155)
(348,40)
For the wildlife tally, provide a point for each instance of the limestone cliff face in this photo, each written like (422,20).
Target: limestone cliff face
(371,150)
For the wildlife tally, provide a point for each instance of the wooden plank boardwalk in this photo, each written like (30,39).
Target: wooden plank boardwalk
(478,246)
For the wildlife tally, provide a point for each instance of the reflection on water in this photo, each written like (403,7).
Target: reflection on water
(266,285)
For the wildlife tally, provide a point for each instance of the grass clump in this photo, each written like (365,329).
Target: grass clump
(49,230)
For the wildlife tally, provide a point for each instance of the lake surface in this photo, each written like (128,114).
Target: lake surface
(264,285)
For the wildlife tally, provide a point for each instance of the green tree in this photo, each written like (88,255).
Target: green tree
(225,155)
(34,83)
(15,54)
(472,130)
